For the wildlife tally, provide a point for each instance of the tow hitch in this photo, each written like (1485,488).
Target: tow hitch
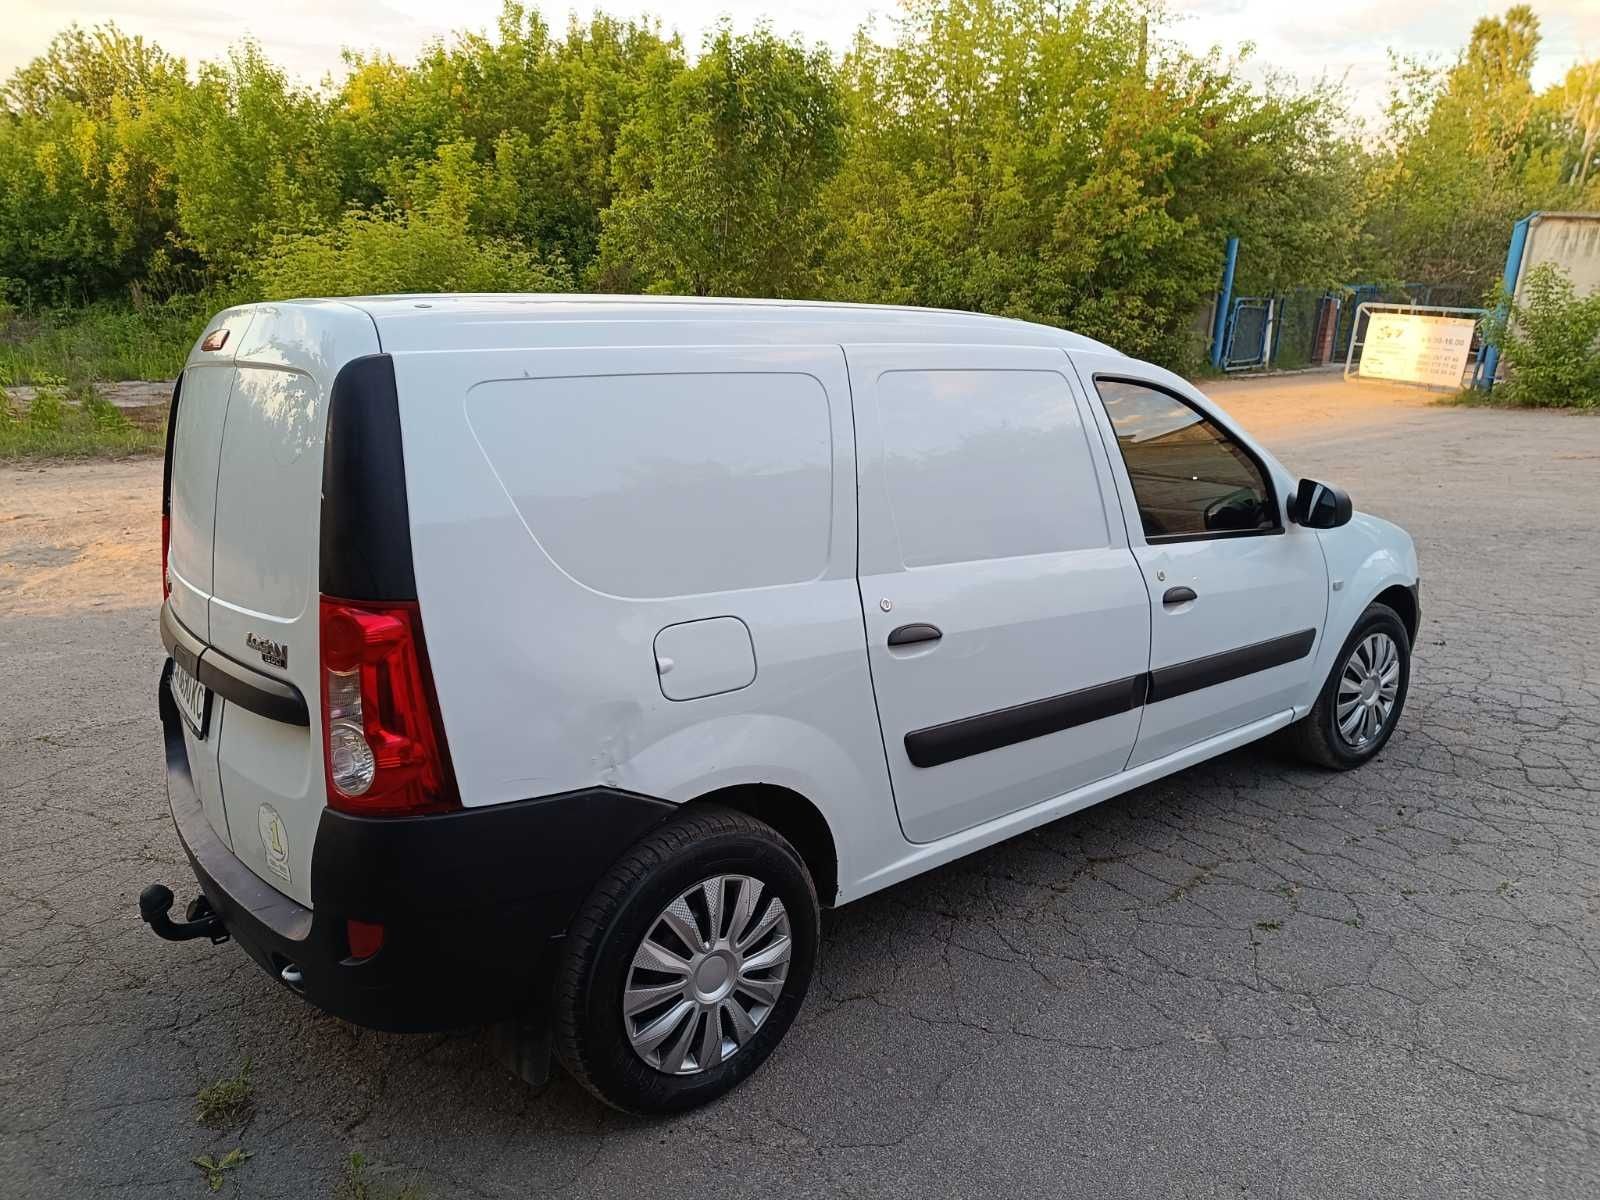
(155,902)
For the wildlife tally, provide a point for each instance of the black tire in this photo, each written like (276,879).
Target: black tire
(588,1028)
(1316,737)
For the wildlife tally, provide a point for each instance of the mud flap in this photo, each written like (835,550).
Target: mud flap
(523,1046)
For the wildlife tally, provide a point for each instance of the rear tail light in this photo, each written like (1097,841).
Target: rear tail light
(383,743)
(166,545)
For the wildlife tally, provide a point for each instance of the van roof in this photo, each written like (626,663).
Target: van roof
(505,321)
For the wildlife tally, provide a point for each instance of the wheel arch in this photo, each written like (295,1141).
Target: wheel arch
(1404,602)
(795,817)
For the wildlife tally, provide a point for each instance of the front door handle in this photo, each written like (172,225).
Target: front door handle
(910,635)
(1178,595)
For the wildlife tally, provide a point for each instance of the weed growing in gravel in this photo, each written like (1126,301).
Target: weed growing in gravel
(226,1103)
(357,1185)
(216,1169)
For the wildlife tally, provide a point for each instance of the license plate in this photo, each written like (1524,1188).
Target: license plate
(194,700)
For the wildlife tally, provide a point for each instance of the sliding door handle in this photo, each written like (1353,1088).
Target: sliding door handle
(910,635)
(1178,595)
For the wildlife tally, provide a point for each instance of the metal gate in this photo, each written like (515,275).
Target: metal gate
(1248,326)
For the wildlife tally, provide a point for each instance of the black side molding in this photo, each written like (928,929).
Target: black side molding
(262,694)
(1182,678)
(1007,726)
(365,550)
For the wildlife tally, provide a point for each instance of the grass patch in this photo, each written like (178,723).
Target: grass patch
(357,1184)
(107,340)
(76,423)
(1501,399)
(227,1102)
(1474,398)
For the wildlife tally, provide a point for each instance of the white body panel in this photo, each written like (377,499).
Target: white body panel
(652,537)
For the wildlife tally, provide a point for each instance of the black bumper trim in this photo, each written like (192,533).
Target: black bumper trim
(471,902)
(232,680)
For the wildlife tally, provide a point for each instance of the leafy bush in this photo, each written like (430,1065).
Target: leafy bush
(378,251)
(1550,343)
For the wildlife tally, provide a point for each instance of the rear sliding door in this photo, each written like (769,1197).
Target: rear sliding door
(1008,627)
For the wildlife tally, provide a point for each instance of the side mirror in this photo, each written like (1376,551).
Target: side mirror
(1320,505)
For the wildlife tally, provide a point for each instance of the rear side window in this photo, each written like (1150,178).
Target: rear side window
(1190,478)
(986,464)
(667,485)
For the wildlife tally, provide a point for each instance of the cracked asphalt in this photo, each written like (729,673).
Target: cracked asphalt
(1252,979)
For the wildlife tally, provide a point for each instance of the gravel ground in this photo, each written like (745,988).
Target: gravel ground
(1249,980)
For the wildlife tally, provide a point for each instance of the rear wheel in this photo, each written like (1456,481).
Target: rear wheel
(687,963)
(1361,701)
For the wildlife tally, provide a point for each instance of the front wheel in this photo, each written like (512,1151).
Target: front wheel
(1361,701)
(687,963)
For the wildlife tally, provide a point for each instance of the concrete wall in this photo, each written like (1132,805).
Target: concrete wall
(1569,240)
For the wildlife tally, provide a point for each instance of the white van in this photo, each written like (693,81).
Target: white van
(564,654)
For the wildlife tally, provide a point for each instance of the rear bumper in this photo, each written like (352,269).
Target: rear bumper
(471,902)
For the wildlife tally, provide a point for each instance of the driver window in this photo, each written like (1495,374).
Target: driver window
(1190,478)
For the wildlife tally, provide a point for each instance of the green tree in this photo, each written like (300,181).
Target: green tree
(718,173)
(249,151)
(92,69)
(86,196)
(1469,151)
(1057,163)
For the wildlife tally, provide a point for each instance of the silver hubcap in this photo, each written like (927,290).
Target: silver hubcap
(707,974)
(1368,688)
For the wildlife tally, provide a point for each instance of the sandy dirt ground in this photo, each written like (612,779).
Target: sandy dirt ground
(80,536)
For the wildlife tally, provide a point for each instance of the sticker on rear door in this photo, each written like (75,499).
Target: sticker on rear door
(274,840)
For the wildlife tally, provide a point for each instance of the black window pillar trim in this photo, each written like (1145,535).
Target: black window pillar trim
(364,550)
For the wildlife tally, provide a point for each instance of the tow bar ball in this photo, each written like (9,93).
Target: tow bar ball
(155,902)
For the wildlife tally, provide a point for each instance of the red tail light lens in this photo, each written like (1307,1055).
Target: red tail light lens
(383,744)
(166,544)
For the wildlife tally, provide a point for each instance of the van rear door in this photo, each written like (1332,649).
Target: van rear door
(262,611)
(199,409)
